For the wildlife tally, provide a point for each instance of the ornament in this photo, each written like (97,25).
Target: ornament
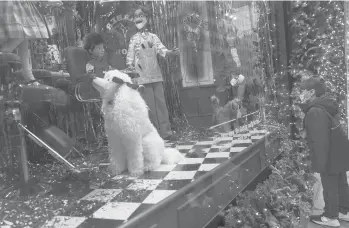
(192,26)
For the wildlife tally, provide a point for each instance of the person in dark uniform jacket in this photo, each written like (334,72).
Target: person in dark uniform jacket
(328,146)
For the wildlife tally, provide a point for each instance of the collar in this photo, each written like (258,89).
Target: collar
(143,30)
(96,58)
(121,82)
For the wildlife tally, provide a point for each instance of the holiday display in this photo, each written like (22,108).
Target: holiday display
(219,115)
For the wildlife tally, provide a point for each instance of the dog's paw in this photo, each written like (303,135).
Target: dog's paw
(115,171)
(148,168)
(136,173)
(152,165)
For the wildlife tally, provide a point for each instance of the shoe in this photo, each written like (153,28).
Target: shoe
(344,217)
(323,220)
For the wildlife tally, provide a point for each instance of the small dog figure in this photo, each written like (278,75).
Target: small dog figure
(224,113)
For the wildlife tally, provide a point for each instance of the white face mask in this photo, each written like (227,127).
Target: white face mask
(238,80)
(141,25)
(306,95)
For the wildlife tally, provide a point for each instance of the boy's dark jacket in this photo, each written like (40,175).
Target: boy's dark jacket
(328,147)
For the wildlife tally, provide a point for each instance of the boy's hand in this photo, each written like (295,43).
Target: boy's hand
(89,68)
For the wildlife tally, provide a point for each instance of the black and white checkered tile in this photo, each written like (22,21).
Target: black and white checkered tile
(123,197)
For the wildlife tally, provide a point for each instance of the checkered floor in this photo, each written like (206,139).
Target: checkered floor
(123,197)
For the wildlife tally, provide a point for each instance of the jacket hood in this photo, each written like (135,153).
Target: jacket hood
(326,101)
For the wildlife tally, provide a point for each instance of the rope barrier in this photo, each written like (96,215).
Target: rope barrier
(212,127)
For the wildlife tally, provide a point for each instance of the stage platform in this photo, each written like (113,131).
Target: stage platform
(189,194)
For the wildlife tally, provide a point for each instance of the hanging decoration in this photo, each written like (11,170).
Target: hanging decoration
(51,24)
(192,26)
(120,27)
(79,42)
(120,20)
(53,56)
(117,29)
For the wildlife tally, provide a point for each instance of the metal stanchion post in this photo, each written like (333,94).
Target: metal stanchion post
(16,136)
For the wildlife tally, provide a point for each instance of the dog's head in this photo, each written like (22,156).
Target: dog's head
(214,101)
(109,85)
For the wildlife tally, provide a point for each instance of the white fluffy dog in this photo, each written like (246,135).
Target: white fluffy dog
(134,143)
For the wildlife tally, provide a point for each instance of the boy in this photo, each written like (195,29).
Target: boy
(329,156)
(94,45)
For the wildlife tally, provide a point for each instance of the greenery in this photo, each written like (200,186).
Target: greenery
(284,198)
(318,32)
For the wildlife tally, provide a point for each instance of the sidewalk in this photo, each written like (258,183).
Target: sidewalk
(313,225)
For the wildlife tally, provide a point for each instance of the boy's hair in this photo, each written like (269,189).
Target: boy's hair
(315,83)
(91,40)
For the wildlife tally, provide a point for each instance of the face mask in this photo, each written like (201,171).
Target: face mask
(238,80)
(306,95)
(241,78)
(141,25)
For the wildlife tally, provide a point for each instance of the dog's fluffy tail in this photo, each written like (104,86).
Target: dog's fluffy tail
(171,156)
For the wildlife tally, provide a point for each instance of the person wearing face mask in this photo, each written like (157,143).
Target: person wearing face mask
(328,150)
(142,54)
